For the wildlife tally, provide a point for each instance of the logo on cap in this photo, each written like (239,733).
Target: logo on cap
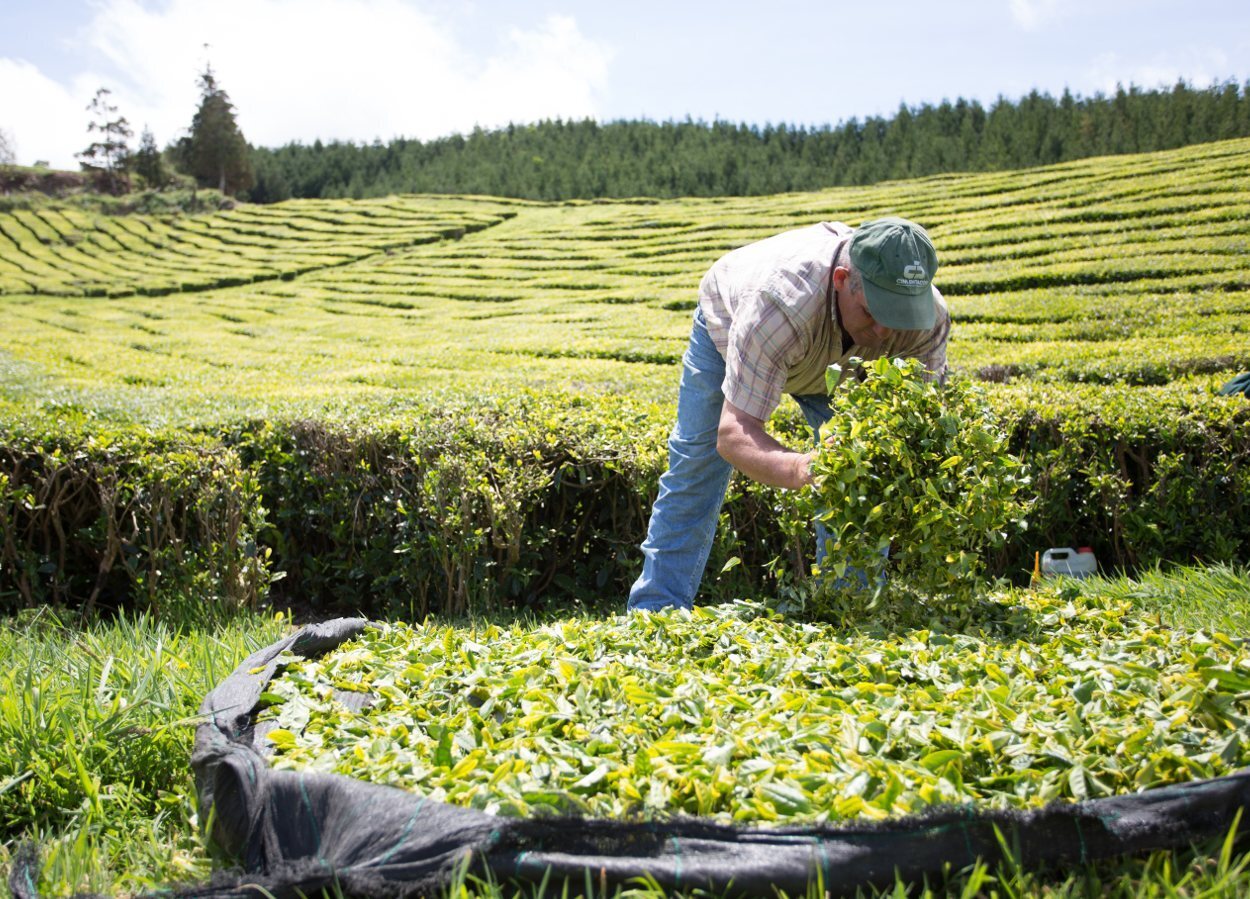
(914,274)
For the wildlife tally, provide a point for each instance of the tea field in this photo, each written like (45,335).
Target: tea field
(1125,270)
(432,407)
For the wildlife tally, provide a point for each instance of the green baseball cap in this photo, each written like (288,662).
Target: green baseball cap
(896,260)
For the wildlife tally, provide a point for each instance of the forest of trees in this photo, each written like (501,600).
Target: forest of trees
(554,160)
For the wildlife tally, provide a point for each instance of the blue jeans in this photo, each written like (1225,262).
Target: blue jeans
(687,508)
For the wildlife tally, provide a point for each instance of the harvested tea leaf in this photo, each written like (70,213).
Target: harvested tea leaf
(738,713)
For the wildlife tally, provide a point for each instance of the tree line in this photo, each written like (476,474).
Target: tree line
(558,159)
(567,159)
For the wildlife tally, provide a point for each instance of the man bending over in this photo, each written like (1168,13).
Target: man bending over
(772,317)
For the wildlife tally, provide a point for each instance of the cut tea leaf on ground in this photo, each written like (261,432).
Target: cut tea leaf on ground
(737,713)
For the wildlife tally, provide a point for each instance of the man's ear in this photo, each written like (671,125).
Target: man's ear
(840,274)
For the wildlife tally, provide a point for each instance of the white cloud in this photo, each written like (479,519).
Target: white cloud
(47,121)
(1199,68)
(307,69)
(554,54)
(1031,14)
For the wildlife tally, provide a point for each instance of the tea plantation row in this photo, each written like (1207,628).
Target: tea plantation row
(540,496)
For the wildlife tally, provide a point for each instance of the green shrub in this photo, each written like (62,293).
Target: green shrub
(505,502)
(532,498)
(1142,475)
(127,518)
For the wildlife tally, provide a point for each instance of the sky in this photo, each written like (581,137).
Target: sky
(365,70)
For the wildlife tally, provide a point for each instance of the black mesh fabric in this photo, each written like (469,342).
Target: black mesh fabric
(1239,384)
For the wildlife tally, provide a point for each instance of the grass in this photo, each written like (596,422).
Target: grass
(1213,598)
(97,724)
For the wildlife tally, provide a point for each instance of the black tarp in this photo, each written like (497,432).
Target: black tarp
(295,833)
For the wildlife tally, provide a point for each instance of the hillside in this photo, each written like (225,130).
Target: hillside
(1127,269)
(423,408)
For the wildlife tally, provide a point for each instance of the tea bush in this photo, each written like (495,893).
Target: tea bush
(91,518)
(537,497)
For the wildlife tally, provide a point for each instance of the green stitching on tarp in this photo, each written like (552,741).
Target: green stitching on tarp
(1080,835)
(403,836)
(676,862)
(824,863)
(311,817)
(963,828)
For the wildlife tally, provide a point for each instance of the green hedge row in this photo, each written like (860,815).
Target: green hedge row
(459,508)
(538,498)
(99,520)
(1143,475)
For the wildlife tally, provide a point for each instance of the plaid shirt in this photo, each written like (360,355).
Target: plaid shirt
(770,309)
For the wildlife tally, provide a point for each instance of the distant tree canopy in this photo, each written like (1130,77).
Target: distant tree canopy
(554,160)
(215,151)
(109,154)
(148,163)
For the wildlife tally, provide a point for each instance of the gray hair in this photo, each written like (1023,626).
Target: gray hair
(855,282)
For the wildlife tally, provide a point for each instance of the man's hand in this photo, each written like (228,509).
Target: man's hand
(806,470)
(743,443)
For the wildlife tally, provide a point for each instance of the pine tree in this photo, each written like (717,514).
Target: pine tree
(217,154)
(110,154)
(147,162)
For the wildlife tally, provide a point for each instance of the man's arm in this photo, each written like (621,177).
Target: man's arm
(743,443)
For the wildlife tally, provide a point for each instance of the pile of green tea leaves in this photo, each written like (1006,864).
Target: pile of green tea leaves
(738,713)
(911,466)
